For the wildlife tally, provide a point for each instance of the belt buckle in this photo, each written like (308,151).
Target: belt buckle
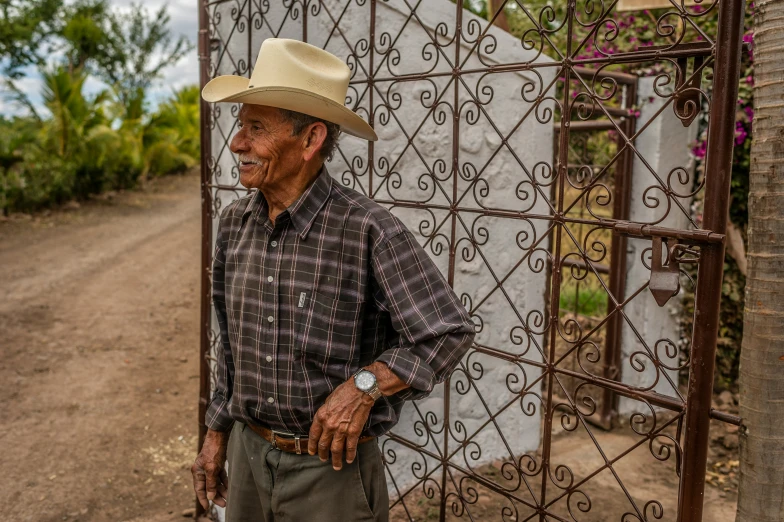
(274,440)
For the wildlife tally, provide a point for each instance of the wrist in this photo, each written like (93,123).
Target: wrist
(388,383)
(217,437)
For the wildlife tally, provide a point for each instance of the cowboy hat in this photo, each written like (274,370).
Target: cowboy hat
(297,76)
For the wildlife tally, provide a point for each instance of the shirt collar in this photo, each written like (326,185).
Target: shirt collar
(304,210)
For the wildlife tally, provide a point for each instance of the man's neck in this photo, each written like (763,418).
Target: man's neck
(279,199)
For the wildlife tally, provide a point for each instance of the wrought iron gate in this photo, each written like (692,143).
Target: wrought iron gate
(552,372)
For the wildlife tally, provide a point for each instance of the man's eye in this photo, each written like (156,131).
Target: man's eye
(256,128)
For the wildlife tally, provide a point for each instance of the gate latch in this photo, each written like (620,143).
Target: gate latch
(665,277)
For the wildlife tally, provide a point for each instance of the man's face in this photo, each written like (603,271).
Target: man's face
(267,151)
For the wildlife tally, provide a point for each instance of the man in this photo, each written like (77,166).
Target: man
(331,315)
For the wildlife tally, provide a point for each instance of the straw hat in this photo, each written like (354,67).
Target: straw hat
(297,76)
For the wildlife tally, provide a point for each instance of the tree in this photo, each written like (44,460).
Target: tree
(142,47)
(761,494)
(500,20)
(25,27)
(86,33)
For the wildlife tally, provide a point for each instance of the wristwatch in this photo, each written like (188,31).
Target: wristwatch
(365,381)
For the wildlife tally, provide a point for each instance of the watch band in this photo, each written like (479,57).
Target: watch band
(374,392)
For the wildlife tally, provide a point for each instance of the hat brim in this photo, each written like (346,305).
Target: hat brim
(234,89)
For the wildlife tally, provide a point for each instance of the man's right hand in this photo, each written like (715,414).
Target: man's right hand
(209,475)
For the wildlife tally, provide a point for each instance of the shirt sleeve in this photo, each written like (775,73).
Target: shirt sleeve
(217,417)
(434,328)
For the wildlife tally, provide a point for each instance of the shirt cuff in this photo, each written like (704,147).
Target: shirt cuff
(412,370)
(217,417)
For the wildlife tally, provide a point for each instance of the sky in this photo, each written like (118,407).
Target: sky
(184,21)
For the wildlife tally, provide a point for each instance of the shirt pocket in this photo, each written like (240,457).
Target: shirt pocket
(329,333)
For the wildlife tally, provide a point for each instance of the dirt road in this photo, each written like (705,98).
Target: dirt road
(98,358)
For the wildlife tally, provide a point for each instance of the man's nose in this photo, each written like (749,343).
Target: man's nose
(238,143)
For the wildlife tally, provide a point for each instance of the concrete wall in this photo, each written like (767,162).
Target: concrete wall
(664,145)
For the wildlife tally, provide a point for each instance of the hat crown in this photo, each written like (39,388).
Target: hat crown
(298,65)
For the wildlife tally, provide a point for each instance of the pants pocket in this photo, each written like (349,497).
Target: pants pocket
(372,489)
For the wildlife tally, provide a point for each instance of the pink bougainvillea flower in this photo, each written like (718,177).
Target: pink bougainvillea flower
(700,150)
(740,133)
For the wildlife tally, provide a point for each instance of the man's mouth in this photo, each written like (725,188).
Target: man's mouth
(245,162)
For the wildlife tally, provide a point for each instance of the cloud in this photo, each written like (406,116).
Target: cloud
(31,85)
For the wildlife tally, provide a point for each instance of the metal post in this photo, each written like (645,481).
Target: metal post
(617,283)
(206,232)
(718,168)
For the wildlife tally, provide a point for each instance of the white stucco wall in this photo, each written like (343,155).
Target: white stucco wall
(664,145)
(525,289)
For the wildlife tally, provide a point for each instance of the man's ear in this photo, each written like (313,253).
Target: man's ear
(315,136)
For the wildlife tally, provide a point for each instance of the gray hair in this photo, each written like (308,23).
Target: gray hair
(299,121)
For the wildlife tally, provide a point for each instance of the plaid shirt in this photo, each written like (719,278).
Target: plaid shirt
(337,283)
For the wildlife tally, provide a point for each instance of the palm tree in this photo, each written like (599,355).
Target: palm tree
(761,495)
(171,138)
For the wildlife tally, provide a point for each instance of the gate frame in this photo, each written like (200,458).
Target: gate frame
(711,239)
(707,299)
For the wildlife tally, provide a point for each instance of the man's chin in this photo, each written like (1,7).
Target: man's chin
(248,180)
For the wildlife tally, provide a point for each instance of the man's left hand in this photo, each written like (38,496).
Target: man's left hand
(338,424)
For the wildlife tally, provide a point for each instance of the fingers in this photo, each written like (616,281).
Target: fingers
(223,494)
(224,478)
(324,443)
(338,441)
(352,441)
(223,489)
(316,429)
(320,436)
(199,486)
(212,473)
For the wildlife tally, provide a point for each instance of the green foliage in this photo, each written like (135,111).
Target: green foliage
(142,48)
(85,144)
(730,323)
(25,28)
(128,51)
(171,139)
(583,300)
(80,150)
(85,33)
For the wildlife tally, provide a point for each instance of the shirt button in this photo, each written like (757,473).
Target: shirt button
(269,279)
(270,318)
(274,243)
(270,400)
(269,358)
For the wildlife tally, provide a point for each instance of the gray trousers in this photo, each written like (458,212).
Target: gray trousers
(269,485)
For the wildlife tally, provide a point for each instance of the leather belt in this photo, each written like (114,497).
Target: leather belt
(288,442)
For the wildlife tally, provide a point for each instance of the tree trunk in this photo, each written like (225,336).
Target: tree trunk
(500,21)
(761,496)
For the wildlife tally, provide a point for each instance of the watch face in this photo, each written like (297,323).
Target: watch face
(365,380)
